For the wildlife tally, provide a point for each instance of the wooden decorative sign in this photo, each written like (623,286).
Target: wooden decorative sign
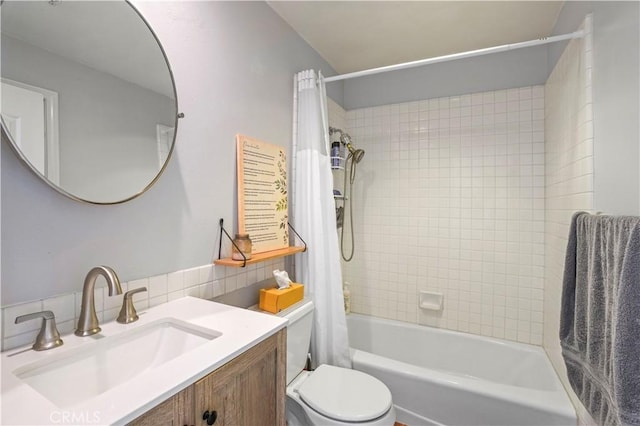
(262,194)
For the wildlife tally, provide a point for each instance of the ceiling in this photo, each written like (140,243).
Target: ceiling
(357,35)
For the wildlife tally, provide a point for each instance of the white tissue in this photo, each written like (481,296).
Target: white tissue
(282,278)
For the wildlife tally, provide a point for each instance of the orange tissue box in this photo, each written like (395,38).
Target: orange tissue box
(274,300)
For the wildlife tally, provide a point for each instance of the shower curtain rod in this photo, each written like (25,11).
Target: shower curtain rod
(455,56)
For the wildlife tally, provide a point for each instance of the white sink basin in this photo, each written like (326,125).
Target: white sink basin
(92,369)
(119,374)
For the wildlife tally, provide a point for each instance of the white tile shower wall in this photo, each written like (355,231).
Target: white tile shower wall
(450,198)
(205,282)
(337,115)
(569,162)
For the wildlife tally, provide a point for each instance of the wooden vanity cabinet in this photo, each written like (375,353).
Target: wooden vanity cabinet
(177,410)
(248,390)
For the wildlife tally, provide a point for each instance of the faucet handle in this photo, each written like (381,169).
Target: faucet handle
(128,311)
(48,337)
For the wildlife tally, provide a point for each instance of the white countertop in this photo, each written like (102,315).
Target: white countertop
(240,328)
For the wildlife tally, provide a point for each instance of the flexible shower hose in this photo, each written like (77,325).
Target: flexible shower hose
(352,177)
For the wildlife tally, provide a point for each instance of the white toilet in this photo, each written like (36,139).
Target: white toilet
(329,395)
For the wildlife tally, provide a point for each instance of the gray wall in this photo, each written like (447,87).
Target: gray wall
(233,63)
(616,99)
(517,68)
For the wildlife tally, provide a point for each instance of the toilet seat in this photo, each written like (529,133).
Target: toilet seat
(345,395)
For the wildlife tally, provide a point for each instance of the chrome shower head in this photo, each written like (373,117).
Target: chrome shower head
(356,154)
(345,139)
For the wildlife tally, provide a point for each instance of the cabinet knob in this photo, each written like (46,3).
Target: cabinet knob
(210,417)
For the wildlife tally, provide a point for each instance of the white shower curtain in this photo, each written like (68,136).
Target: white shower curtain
(315,220)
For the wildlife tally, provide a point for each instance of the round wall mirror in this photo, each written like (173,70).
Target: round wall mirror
(88,97)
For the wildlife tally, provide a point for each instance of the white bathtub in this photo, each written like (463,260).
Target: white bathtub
(440,377)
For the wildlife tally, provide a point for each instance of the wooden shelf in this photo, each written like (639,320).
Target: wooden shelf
(260,257)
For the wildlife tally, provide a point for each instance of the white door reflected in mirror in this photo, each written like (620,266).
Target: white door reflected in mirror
(31,115)
(165,136)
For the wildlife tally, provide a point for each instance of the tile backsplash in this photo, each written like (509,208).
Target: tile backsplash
(450,198)
(205,282)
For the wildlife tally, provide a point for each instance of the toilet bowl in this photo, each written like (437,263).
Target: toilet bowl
(336,396)
(329,395)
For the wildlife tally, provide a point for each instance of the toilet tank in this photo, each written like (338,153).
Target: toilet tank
(300,318)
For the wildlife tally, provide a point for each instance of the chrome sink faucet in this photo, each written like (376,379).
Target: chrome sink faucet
(88,320)
(48,337)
